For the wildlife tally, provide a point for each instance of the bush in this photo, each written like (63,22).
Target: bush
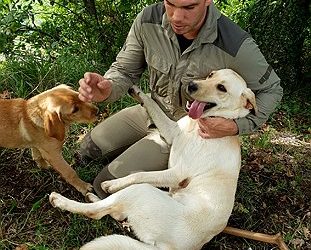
(281,30)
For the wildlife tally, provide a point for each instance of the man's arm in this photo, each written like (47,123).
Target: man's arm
(264,82)
(130,63)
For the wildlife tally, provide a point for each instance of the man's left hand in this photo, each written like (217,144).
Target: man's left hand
(216,127)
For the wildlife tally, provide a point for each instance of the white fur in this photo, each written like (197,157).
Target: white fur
(202,176)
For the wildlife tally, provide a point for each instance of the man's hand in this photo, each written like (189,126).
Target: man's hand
(216,127)
(94,88)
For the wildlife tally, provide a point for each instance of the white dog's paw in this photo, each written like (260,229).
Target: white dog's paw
(57,200)
(136,90)
(90,197)
(111,186)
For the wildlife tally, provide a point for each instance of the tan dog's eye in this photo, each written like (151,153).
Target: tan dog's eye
(75,109)
(221,88)
(211,74)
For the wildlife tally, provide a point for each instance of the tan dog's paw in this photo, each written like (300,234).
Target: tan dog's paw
(111,186)
(83,187)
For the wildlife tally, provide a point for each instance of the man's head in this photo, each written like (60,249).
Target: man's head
(186,16)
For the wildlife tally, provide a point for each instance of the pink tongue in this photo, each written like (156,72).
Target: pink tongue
(196,109)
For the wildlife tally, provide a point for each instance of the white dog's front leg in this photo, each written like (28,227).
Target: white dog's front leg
(164,178)
(166,126)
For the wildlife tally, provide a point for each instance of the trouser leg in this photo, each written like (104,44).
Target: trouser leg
(124,140)
(148,154)
(112,136)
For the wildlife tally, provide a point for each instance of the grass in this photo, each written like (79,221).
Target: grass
(273,191)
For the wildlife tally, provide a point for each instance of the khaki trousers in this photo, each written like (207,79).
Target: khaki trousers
(129,140)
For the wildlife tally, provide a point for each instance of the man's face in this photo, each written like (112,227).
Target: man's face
(186,16)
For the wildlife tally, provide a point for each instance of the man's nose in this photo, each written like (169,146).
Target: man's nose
(178,14)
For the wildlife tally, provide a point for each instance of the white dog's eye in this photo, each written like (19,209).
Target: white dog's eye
(221,88)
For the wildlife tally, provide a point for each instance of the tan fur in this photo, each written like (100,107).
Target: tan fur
(40,123)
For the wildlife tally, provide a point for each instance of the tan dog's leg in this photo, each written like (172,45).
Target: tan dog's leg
(66,171)
(37,157)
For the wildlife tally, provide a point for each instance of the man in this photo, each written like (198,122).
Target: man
(178,41)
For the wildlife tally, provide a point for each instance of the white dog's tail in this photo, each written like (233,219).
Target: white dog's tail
(117,242)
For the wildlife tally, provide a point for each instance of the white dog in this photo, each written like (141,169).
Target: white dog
(202,175)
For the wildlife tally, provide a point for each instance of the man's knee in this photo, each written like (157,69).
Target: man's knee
(88,148)
(104,175)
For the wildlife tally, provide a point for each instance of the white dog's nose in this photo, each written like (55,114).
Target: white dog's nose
(192,87)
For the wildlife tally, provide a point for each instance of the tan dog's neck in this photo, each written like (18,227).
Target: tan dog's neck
(35,111)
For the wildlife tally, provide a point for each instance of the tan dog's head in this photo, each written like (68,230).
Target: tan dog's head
(223,93)
(63,107)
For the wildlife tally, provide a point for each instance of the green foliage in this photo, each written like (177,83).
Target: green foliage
(236,10)
(48,28)
(281,28)
(30,76)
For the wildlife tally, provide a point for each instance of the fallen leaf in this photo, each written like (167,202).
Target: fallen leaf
(5,95)
(298,242)
(306,233)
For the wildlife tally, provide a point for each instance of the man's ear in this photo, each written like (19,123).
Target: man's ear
(250,101)
(208,2)
(54,126)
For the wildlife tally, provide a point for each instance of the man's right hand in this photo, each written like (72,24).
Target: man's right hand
(94,88)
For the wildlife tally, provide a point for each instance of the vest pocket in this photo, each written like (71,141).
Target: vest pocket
(159,73)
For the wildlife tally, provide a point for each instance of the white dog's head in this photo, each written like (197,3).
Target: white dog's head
(223,93)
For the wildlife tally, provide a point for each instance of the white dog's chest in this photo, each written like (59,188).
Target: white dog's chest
(195,155)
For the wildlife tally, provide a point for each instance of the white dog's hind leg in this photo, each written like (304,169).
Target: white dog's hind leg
(116,242)
(94,210)
(140,204)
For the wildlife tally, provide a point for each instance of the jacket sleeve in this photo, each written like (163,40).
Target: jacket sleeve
(129,64)
(262,80)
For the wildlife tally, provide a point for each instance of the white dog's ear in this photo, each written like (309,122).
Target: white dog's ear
(250,100)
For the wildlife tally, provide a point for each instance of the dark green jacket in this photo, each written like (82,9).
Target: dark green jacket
(220,44)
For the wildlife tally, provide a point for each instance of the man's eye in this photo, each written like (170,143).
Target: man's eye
(168,3)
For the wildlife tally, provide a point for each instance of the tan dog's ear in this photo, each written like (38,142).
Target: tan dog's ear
(250,100)
(54,126)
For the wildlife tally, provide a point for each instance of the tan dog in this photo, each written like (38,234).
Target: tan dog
(202,175)
(40,123)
